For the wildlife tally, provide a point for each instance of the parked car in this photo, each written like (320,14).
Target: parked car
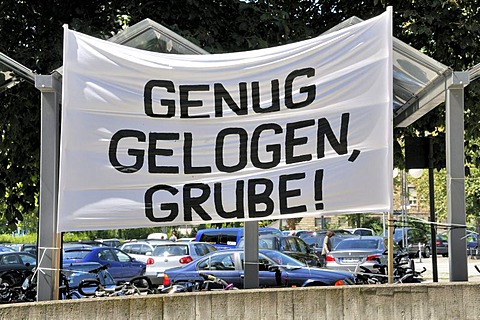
(297,233)
(9,259)
(91,243)
(7,249)
(173,254)
(290,245)
(157,236)
(15,266)
(472,243)
(225,238)
(361,231)
(140,249)
(414,236)
(324,231)
(78,271)
(275,270)
(122,267)
(114,242)
(351,253)
(315,241)
(442,245)
(29,248)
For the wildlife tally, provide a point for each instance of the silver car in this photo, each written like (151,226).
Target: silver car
(351,253)
(173,254)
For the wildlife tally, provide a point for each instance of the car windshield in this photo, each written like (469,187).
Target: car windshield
(6,249)
(317,240)
(278,258)
(358,244)
(171,250)
(75,254)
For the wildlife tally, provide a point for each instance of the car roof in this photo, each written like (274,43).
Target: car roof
(91,248)
(356,238)
(148,241)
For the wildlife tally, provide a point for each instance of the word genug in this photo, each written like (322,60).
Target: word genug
(251,149)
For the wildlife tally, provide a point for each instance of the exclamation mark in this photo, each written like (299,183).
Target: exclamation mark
(319,189)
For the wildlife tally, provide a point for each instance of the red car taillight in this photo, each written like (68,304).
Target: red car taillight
(166,280)
(185,260)
(373,258)
(150,261)
(329,258)
(439,242)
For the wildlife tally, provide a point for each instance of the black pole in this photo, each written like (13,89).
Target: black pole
(433,230)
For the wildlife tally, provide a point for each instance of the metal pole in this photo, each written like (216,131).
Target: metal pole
(433,231)
(390,247)
(250,233)
(454,116)
(49,241)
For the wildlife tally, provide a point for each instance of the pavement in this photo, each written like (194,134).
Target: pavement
(443,268)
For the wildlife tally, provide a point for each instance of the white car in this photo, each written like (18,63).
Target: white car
(141,250)
(162,255)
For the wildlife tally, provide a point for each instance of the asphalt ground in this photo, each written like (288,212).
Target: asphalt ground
(443,268)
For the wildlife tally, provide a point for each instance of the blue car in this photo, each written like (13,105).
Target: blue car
(122,267)
(275,270)
(78,271)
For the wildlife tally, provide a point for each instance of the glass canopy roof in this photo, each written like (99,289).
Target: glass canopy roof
(12,72)
(149,35)
(418,80)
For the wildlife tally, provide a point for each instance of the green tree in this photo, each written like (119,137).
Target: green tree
(31,33)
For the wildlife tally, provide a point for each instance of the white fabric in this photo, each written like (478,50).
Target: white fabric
(104,93)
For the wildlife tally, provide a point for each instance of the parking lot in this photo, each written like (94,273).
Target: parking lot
(443,269)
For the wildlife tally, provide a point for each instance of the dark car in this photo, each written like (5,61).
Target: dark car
(9,259)
(472,243)
(324,231)
(275,270)
(122,267)
(442,245)
(14,266)
(315,241)
(29,247)
(414,237)
(228,238)
(290,245)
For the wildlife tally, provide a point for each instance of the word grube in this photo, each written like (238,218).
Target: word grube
(260,204)
(260,194)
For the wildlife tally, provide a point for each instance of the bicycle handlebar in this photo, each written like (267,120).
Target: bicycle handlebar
(97,270)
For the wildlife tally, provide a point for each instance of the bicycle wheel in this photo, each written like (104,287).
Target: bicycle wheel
(142,282)
(89,287)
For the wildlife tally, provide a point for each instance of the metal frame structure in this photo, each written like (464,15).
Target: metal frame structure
(420,85)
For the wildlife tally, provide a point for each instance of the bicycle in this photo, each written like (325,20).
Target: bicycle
(97,288)
(12,287)
(403,272)
(209,283)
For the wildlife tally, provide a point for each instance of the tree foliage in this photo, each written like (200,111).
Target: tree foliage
(32,34)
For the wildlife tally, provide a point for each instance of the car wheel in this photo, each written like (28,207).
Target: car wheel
(426,252)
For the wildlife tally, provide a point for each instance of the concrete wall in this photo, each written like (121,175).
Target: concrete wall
(419,301)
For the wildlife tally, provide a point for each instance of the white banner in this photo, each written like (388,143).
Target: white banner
(152,139)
